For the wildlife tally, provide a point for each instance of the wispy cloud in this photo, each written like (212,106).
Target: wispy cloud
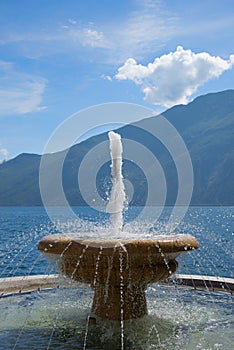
(172,78)
(20,93)
(147,29)
(72,21)
(143,30)
(86,36)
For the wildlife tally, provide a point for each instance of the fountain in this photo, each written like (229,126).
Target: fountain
(118,269)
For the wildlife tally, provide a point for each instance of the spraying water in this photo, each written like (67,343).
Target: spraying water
(117,197)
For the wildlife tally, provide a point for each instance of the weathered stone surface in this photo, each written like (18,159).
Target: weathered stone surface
(118,270)
(23,284)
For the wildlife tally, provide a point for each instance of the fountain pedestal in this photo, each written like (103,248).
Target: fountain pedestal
(126,299)
(117,270)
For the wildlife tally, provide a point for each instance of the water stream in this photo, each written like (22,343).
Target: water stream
(117,196)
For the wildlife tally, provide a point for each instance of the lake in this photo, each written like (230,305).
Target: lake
(21,228)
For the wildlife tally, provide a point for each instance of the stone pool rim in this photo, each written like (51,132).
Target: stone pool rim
(26,284)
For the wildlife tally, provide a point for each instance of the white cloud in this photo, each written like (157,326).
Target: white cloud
(87,37)
(72,21)
(20,93)
(4,153)
(172,78)
(92,37)
(106,77)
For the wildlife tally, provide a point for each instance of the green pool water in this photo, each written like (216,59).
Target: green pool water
(179,318)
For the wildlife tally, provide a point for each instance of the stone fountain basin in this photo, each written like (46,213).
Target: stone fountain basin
(95,260)
(118,270)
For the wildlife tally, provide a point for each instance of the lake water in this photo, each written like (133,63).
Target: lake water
(21,228)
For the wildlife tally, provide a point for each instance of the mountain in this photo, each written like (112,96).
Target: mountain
(206,126)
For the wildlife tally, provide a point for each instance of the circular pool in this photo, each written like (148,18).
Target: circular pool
(178,317)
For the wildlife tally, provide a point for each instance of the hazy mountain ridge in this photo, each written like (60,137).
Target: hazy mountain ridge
(207,128)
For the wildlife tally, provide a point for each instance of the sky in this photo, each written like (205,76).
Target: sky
(60,57)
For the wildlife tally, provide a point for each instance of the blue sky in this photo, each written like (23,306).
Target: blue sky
(58,57)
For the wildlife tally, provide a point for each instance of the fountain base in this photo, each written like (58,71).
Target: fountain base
(119,303)
(117,270)
(115,302)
